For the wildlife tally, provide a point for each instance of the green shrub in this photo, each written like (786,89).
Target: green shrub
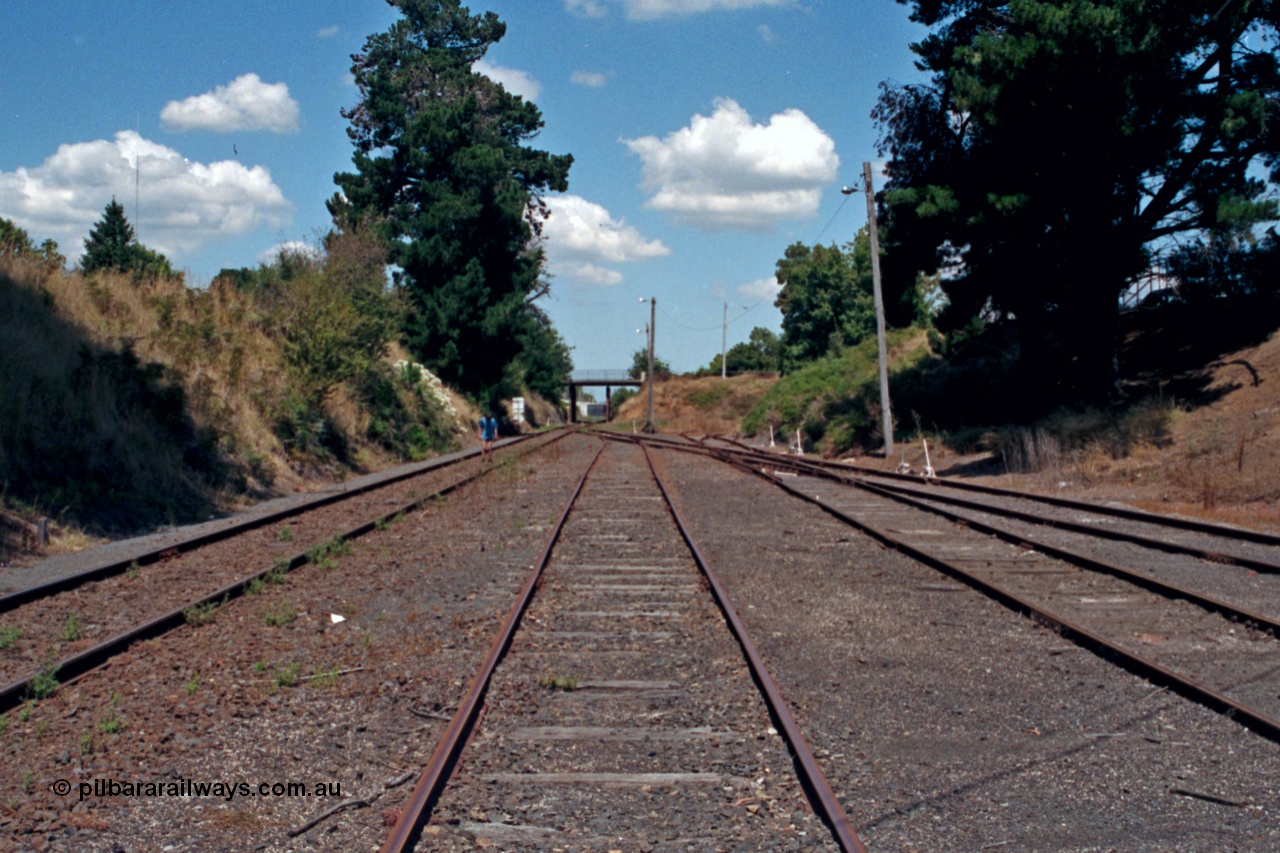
(278,618)
(834,401)
(9,636)
(45,682)
(200,614)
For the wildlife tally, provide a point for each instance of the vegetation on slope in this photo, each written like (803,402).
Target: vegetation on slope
(835,400)
(127,401)
(445,172)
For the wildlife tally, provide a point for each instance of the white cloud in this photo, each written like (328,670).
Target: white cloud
(723,171)
(581,235)
(327,32)
(513,80)
(586,8)
(761,288)
(650,10)
(766,34)
(587,273)
(183,204)
(291,247)
(593,79)
(246,103)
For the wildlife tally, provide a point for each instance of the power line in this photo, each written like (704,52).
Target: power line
(843,202)
(687,328)
(745,312)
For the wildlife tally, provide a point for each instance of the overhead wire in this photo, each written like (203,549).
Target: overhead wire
(757,303)
(843,202)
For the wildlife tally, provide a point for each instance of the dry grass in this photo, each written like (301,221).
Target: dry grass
(125,403)
(1219,460)
(707,405)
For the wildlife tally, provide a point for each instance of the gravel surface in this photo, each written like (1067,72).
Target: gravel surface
(1100,518)
(1243,587)
(945,721)
(1197,643)
(68,622)
(624,717)
(274,690)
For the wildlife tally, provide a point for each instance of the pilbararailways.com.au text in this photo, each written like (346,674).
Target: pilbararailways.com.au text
(190,788)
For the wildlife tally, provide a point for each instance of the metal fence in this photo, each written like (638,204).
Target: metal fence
(599,376)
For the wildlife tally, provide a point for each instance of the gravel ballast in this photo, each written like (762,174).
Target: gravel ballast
(274,690)
(945,721)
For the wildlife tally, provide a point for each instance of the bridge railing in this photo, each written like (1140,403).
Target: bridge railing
(599,375)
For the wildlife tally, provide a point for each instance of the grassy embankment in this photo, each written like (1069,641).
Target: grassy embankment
(706,405)
(1197,432)
(128,403)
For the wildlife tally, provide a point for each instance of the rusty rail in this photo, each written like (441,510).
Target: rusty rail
(404,834)
(115,567)
(842,473)
(826,803)
(74,666)
(1265,566)
(1147,582)
(1247,716)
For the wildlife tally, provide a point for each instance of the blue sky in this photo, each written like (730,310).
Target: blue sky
(708,135)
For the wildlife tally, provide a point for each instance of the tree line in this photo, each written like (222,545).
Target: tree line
(1063,149)
(445,181)
(1059,152)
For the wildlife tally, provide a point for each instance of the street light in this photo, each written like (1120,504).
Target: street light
(653,316)
(879,300)
(724,340)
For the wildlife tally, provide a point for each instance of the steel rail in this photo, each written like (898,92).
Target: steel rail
(1247,716)
(34,593)
(1241,533)
(87,660)
(838,473)
(404,834)
(825,800)
(1147,582)
(1163,588)
(1264,566)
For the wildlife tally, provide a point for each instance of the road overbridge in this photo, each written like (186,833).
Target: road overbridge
(607,379)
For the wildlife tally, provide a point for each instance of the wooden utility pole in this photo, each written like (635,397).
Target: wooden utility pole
(879,301)
(649,426)
(724,342)
(879,296)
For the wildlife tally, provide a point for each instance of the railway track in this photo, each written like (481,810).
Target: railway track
(1221,543)
(63,628)
(616,712)
(326,675)
(1207,645)
(621,713)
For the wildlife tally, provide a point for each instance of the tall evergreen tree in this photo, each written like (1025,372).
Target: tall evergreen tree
(443,169)
(1061,146)
(14,241)
(111,243)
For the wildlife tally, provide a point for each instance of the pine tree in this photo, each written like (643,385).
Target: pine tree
(111,243)
(1060,146)
(444,172)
